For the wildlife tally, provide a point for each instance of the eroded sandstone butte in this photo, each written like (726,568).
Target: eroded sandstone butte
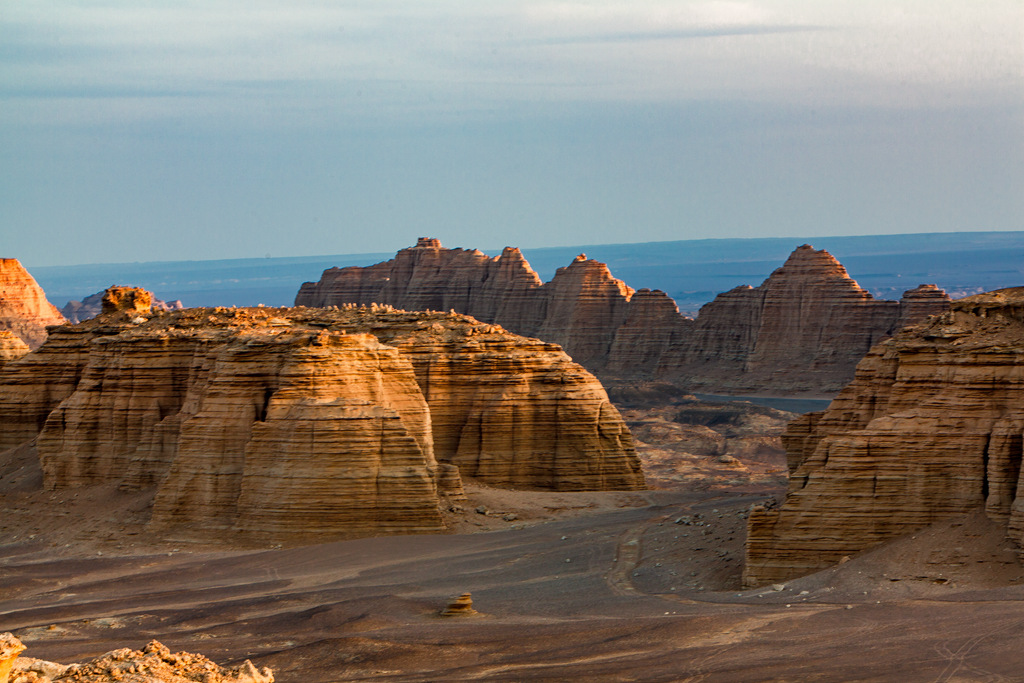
(801,331)
(24,310)
(306,421)
(932,426)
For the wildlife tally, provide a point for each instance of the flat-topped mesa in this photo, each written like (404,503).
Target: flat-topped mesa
(801,331)
(930,427)
(309,422)
(919,303)
(429,277)
(24,309)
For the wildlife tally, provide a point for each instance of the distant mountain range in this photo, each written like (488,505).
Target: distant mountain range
(690,271)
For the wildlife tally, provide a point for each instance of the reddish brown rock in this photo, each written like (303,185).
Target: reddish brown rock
(651,327)
(930,427)
(24,309)
(921,302)
(581,308)
(290,422)
(11,347)
(801,331)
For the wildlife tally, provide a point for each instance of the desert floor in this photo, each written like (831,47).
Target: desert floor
(600,586)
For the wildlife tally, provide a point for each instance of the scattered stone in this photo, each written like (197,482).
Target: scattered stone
(461,606)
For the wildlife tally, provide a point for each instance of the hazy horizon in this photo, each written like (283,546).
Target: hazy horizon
(163,132)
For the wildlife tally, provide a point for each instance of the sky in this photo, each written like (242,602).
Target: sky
(149,130)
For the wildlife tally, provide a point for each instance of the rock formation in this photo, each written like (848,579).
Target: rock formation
(11,347)
(932,426)
(24,309)
(10,648)
(288,422)
(461,606)
(153,664)
(92,305)
(801,331)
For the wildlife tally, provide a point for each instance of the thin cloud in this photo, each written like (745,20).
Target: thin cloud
(675,34)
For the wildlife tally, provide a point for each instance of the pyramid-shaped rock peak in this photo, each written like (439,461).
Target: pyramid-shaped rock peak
(801,331)
(24,309)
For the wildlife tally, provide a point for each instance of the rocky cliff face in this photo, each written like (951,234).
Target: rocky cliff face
(24,310)
(801,331)
(931,426)
(286,422)
(11,347)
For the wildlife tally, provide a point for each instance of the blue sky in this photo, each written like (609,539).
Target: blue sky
(136,131)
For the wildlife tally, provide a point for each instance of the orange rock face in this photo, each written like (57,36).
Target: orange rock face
(24,309)
(931,426)
(11,347)
(802,331)
(287,422)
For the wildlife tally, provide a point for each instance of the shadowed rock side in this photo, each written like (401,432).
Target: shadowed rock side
(24,310)
(931,426)
(308,421)
(802,330)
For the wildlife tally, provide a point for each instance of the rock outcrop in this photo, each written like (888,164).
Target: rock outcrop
(288,422)
(155,663)
(932,426)
(801,331)
(11,347)
(92,305)
(10,648)
(24,309)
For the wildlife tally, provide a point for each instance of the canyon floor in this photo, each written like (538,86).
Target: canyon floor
(616,586)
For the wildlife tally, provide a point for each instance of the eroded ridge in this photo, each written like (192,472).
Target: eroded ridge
(932,426)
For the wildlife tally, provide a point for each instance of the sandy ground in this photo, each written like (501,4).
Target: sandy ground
(612,586)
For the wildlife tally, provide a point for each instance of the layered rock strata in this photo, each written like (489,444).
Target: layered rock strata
(801,331)
(932,426)
(308,421)
(11,347)
(24,310)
